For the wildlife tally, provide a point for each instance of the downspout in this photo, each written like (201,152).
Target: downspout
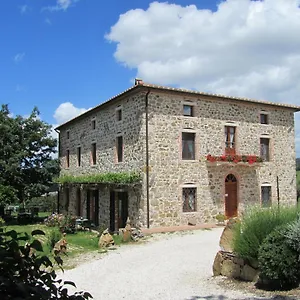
(58,192)
(147,157)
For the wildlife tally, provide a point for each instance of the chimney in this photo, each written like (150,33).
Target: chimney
(138,81)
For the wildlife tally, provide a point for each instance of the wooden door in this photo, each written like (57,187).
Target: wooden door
(231,201)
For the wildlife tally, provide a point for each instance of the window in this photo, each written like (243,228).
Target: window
(119,114)
(189,199)
(68,159)
(79,156)
(68,134)
(188,146)
(264,118)
(119,147)
(266,196)
(93,124)
(94,154)
(188,110)
(230,140)
(265,149)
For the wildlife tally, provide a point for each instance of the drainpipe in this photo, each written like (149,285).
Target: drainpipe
(59,187)
(147,158)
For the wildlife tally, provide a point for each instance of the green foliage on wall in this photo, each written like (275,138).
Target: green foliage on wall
(108,178)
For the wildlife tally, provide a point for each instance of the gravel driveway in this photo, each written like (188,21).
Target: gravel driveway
(172,266)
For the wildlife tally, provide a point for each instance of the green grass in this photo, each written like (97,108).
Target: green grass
(256,225)
(79,242)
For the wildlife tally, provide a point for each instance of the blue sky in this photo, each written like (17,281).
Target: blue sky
(65,56)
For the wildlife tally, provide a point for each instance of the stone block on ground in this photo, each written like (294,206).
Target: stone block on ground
(227,236)
(249,274)
(217,266)
(136,234)
(230,269)
(61,246)
(106,239)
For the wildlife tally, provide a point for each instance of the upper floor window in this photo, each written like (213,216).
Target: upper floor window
(94,154)
(93,124)
(189,199)
(68,134)
(230,137)
(265,149)
(266,196)
(264,118)
(79,156)
(188,146)
(119,114)
(119,147)
(68,158)
(188,110)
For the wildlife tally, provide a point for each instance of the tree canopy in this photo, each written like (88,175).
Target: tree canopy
(26,149)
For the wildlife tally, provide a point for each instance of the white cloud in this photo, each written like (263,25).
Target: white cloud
(60,5)
(48,21)
(23,9)
(19,57)
(245,48)
(20,88)
(67,111)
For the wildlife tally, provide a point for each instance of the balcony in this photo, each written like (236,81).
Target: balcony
(240,160)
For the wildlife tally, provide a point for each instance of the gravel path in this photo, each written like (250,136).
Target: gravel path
(174,266)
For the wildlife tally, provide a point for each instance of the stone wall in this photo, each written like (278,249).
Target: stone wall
(107,128)
(169,173)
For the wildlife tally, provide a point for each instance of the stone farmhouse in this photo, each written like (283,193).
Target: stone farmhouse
(186,157)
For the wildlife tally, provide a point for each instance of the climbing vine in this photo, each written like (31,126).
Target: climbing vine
(108,178)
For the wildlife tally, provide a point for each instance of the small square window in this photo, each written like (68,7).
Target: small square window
(264,118)
(266,196)
(189,199)
(119,114)
(68,134)
(93,124)
(188,110)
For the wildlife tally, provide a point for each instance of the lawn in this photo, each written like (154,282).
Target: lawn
(79,242)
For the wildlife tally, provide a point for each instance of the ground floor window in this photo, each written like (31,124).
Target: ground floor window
(189,199)
(266,196)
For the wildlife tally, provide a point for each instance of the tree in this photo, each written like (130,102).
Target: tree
(26,149)
(26,274)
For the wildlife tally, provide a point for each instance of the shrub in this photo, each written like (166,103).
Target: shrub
(53,237)
(278,262)
(256,225)
(23,275)
(66,223)
(293,235)
(2,222)
(45,203)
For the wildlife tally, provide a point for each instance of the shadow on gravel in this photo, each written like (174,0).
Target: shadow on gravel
(221,297)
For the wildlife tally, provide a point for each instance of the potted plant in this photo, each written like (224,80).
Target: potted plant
(220,218)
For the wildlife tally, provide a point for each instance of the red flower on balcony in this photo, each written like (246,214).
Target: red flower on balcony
(250,159)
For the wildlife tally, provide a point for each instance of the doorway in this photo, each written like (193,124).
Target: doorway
(231,201)
(118,209)
(92,206)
